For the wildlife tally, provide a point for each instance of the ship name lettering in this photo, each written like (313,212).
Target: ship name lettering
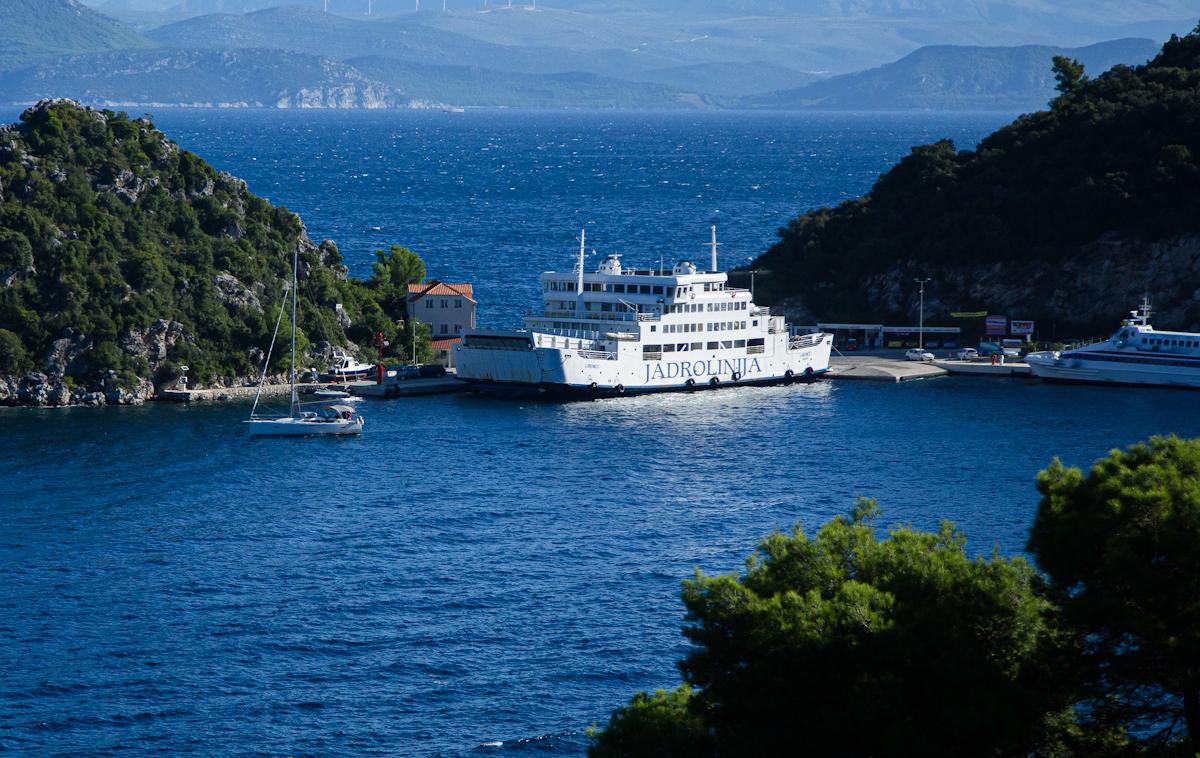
(697,369)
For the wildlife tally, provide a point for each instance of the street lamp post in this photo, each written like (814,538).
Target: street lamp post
(921,325)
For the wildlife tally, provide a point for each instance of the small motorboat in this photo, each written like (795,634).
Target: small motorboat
(332,395)
(346,368)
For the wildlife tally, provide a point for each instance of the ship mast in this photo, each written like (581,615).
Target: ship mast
(713,244)
(295,400)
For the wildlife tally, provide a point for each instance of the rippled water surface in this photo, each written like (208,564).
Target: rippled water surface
(474,577)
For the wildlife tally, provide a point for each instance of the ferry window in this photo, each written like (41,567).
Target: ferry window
(618,288)
(739,343)
(713,345)
(756,342)
(755,322)
(652,349)
(707,287)
(697,345)
(653,328)
(682,347)
(658,290)
(727,344)
(668,348)
(606,307)
(644,289)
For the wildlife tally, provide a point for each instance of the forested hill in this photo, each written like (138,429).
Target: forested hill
(123,257)
(1067,216)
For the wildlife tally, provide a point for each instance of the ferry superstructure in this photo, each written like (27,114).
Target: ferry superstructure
(1136,354)
(620,330)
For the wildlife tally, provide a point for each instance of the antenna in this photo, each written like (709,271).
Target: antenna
(713,244)
(582,252)
(368,7)
(326,6)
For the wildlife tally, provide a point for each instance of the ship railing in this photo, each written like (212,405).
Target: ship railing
(805,340)
(652,356)
(754,349)
(597,355)
(760,311)
(594,316)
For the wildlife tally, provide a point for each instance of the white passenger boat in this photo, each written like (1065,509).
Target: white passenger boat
(326,419)
(1135,354)
(346,368)
(621,330)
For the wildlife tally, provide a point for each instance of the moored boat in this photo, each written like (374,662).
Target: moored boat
(1136,354)
(620,331)
(329,419)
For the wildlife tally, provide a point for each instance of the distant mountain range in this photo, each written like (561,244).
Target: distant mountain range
(944,77)
(209,78)
(32,30)
(577,54)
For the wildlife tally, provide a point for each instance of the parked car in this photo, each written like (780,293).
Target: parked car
(918,354)
(967,354)
(987,349)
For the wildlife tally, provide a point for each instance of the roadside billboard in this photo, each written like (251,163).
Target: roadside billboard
(1020,327)
(997,325)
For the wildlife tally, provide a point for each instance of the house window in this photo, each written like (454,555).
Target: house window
(445,303)
(458,303)
(458,328)
(428,303)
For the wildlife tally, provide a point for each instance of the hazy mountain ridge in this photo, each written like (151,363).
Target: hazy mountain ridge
(572,54)
(946,77)
(38,30)
(223,78)
(477,86)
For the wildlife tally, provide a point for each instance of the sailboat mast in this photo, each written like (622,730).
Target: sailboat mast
(295,263)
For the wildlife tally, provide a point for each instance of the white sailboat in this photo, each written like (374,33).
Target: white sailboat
(338,418)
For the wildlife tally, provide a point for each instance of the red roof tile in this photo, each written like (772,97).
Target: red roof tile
(438,287)
(444,344)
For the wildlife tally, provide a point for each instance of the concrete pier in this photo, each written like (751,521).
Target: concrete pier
(231,393)
(879,368)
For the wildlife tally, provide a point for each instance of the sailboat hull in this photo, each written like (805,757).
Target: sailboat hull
(304,427)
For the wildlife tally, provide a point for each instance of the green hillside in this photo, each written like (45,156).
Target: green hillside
(123,256)
(37,29)
(1067,215)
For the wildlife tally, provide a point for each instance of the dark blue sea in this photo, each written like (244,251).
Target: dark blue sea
(473,577)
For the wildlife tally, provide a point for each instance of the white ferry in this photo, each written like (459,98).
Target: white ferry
(1135,354)
(622,330)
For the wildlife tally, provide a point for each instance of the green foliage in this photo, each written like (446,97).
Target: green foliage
(1118,153)
(14,359)
(1068,73)
(106,227)
(1120,547)
(662,725)
(939,653)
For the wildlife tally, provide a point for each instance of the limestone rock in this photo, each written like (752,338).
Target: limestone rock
(68,356)
(234,294)
(154,342)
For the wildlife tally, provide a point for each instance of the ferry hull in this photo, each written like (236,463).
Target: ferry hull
(1090,371)
(561,372)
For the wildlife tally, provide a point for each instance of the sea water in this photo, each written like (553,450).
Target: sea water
(475,577)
